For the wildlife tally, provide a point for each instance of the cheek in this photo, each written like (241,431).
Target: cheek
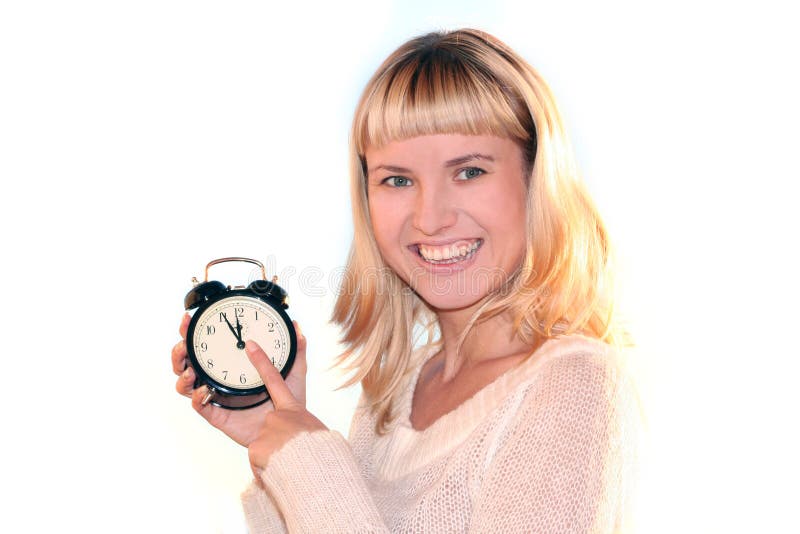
(507,208)
(517,221)
(384,225)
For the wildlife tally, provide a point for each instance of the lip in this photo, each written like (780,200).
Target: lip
(443,242)
(444,269)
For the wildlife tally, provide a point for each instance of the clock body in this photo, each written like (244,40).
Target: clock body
(224,320)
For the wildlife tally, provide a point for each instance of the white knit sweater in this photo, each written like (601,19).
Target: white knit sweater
(547,447)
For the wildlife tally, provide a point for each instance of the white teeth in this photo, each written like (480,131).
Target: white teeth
(445,254)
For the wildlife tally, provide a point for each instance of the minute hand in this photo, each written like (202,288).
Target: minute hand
(238,329)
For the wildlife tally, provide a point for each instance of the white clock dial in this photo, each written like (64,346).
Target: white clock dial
(221,331)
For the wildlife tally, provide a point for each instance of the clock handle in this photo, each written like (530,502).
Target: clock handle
(247,260)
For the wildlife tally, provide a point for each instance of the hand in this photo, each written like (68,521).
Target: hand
(289,417)
(242,426)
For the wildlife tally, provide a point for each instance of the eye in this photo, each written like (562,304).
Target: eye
(469,173)
(396,181)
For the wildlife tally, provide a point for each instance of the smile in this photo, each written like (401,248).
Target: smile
(449,254)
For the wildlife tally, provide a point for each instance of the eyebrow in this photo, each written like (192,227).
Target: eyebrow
(390,168)
(455,162)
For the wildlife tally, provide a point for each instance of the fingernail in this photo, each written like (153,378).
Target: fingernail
(250,346)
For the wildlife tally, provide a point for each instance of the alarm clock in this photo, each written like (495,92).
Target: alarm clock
(224,318)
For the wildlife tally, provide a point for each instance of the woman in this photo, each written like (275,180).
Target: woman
(471,225)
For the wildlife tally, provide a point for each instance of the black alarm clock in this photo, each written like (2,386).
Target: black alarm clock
(226,317)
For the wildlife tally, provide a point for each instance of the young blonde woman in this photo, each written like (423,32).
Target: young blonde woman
(477,313)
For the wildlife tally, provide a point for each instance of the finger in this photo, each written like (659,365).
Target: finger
(184,328)
(278,390)
(179,357)
(300,357)
(185,382)
(296,379)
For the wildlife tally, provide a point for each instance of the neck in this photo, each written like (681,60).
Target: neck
(490,339)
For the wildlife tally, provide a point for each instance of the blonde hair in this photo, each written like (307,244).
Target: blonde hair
(468,82)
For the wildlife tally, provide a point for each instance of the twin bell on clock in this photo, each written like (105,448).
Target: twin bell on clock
(227,316)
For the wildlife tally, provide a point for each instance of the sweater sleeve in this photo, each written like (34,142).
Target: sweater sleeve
(563,464)
(260,512)
(316,484)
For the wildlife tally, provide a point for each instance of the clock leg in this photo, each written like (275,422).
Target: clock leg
(208,396)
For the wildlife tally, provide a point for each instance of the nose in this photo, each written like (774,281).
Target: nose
(434,210)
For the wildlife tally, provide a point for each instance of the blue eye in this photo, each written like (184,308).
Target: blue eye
(470,172)
(397,181)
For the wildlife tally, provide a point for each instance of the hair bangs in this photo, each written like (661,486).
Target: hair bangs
(438,94)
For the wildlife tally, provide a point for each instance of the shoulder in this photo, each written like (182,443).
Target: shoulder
(577,377)
(574,359)
(569,452)
(583,358)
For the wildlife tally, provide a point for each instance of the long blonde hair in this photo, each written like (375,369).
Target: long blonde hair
(468,82)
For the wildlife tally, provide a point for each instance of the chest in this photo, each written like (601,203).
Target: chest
(434,398)
(414,503)
(431,403)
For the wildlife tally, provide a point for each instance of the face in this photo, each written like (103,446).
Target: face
(448,214)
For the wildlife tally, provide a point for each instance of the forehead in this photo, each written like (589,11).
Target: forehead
(443,148)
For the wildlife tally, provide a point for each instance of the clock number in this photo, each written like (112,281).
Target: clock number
(210,363)
(239,312)
(271,327)
(256,315)
(279,344)
(222,317)
(224,375)
(204,346)
(242,378)
(210,330)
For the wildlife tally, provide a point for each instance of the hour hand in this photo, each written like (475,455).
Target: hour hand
(233,330)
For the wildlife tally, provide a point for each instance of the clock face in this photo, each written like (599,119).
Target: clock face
(221,330)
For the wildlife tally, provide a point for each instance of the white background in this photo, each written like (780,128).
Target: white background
(139,140)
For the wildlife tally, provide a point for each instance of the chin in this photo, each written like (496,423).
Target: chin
(439,301)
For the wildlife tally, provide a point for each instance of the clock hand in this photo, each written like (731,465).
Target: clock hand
(238,330)
(233,331)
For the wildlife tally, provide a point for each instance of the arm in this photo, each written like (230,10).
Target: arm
(241,425)
(260,512)
(563,466)
(309,472)
(316,483)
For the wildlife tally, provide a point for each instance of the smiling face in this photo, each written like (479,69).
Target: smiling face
(448,213)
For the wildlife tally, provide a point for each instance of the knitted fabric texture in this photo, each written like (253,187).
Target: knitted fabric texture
(547,447)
